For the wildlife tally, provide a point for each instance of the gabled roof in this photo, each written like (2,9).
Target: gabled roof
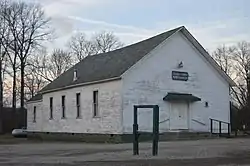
(111,65)
(108,65)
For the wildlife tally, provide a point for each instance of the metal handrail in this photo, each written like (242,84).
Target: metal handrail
(220,122)
(164,121)
(197,121)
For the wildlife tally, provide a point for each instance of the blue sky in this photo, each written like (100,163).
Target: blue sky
(212,22)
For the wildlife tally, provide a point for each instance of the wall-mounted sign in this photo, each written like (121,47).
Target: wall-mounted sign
(179,75)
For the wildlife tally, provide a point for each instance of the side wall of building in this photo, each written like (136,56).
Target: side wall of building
(108,121)
(34,126)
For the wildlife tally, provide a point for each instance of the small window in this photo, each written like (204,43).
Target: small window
(95,103)
(51,107)
(63,107)
(78,105)
(34,114)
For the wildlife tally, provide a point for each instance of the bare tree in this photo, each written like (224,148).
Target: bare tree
(241,58)
(105,42)
(235,61)
(232,61)
(100,42)
(3,33)
(29,27)
(34,82)
(12,71)
(2,55)
(223,56)
(81,47)
(242,69)
(60,61)
(50,66)
(7,41)
(7,101)
(39,63)
(2,52)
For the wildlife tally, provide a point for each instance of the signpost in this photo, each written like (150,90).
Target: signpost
(155,129)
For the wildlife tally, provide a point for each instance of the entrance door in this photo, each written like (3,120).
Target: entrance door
(179,115)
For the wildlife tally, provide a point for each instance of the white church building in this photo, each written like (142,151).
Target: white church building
(97,95)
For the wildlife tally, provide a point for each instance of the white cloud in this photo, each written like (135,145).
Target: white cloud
(67,18)
(221,32)
(108,25)
(127,33)
(60,10)
(209,34)
(65,7)
(214,33)
(65,26)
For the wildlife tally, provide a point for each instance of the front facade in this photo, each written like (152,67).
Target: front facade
(175,74)
(151,80)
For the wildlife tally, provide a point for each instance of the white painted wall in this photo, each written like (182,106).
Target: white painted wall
(150,80)
(110,116)
(31,125)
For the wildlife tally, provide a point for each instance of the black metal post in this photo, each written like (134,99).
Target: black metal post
(155,130)
(135,133)
(211,126)
(220,128)
(228,129)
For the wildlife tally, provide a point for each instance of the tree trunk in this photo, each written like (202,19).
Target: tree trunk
(1,85)
(247,116)
(1,98)
(22,86)
(14,90)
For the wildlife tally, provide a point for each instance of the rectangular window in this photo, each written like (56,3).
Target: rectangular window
(78,105)
(51,107)
(95,103)
(63,107)
(34,114)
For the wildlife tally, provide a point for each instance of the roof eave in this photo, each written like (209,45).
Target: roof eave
(34,101)
(81,84)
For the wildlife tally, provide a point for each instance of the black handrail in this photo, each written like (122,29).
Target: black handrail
(220,122)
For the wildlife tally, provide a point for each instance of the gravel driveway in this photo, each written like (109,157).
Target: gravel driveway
(202,152)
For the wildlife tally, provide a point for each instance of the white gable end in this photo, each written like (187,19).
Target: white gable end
(150,80)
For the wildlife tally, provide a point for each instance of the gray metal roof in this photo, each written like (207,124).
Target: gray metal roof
(106,65)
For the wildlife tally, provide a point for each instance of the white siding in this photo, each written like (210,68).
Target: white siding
(109,120)
(150,80)
(37,125)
